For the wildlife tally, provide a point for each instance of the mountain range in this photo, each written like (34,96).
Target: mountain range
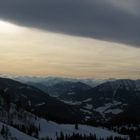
(113,104)
(109,99)
(77,100)
(38,102)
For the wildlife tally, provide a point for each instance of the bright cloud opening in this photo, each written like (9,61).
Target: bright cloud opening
(6,27)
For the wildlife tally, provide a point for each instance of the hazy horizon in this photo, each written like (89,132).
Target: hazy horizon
(84,39)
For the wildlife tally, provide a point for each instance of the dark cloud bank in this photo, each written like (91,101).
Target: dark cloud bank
(90,18)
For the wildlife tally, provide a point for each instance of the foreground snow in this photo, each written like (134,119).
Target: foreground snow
(16,134)
(49,128)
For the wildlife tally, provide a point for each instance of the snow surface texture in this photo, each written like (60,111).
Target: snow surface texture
(89,106)
(16,134)
(51,129)
(109,108)
(76,102)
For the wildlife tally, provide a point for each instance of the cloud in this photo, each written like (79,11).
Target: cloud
(129,6)
(106,20)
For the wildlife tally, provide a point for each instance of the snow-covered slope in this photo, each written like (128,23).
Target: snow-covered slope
(49,128)
(109,100)
(37,101)
(15,134)
(52,130)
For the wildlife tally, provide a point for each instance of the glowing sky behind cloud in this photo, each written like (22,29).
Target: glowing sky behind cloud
(6,27)
(28,51)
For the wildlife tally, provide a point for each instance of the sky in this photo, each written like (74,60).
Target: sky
(77,38)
